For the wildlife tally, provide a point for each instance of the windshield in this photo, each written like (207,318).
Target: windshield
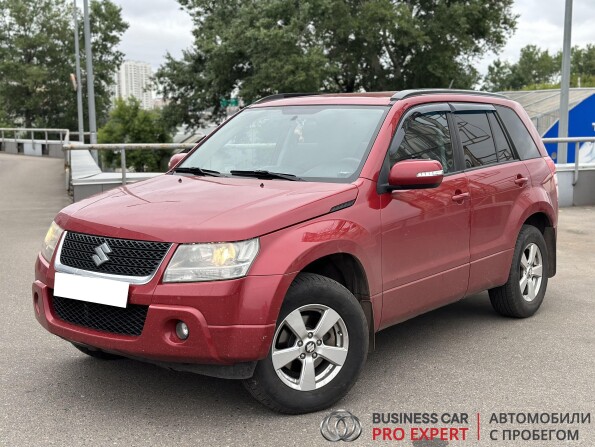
(318,143)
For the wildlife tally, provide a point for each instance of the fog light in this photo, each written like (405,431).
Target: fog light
(182,330)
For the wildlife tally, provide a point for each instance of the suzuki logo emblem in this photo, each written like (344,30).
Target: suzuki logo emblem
(102,251)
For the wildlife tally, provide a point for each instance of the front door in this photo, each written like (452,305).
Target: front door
(425,232)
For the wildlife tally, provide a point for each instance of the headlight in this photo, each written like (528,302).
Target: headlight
(51,240)
(211,262)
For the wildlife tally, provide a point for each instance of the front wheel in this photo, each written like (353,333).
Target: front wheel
(524,291)
(318,350)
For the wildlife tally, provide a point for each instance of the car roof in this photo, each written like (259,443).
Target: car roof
(377,98)
(366,98)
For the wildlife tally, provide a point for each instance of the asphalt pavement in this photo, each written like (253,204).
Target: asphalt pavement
(461,358)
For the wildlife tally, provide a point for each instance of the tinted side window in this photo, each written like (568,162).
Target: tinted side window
(476,139)
(503,149)
(425,136)
(521,138)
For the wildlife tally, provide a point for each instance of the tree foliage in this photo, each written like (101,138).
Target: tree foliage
(37,58)
(537,68)
(260,47)
(582,66)
(129,123)
(3,118)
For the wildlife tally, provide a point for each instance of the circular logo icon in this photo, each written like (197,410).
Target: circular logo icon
(341,425)
(310,347)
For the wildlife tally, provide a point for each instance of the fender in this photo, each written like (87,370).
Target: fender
(550,232)
(536,201)
(541,206)
(290,250)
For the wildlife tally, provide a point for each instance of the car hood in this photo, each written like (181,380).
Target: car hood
(182,209)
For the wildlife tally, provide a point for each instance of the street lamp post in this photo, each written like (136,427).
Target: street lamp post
(79,91)
(90,77)
(565,84)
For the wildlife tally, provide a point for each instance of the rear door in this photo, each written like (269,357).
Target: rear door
(498,181)
(425,232)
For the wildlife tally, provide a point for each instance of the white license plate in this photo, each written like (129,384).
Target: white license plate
(92,290)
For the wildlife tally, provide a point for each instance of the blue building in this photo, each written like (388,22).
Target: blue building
(543,108)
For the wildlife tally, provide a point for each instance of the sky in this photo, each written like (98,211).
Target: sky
(160,26)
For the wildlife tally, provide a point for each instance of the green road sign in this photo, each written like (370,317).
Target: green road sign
(229,102)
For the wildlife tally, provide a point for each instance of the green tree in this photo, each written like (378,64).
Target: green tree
(3,118)
(37,57)
(129,123)
(583,66)
(267,46)
(534,67)
(498,77)
(538,69)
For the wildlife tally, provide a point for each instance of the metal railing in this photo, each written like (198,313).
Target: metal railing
(577,141)
(122,148)
(64,138)
(75,136)
(17,134)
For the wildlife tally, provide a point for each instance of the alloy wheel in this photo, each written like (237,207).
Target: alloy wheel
(531,272)
(310,347)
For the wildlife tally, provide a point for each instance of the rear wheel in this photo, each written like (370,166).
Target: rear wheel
(96,353)
(524,291)
(318,350)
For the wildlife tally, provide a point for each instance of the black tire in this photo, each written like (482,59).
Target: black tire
(508,299)
(310,290)
(96,353)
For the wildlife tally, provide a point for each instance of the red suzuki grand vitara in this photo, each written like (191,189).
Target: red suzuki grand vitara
(277,248)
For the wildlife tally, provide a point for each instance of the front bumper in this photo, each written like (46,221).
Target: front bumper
(230,322)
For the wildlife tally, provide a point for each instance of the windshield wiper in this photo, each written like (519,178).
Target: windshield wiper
(266,175)
(199,171)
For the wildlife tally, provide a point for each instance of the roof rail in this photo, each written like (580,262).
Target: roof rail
(283,96)
(404,94)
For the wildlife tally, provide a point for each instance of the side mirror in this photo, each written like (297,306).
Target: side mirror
(175,160)
(415,174)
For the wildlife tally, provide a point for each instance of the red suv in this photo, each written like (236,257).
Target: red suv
(277,248)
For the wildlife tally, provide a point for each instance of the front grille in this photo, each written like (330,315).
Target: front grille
(117,320)
(127,257)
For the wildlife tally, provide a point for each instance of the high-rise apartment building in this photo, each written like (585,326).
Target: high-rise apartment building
(133,79)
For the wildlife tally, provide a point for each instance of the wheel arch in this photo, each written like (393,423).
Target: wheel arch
(335,248)
(347,270)
(539,220)
(544,223)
